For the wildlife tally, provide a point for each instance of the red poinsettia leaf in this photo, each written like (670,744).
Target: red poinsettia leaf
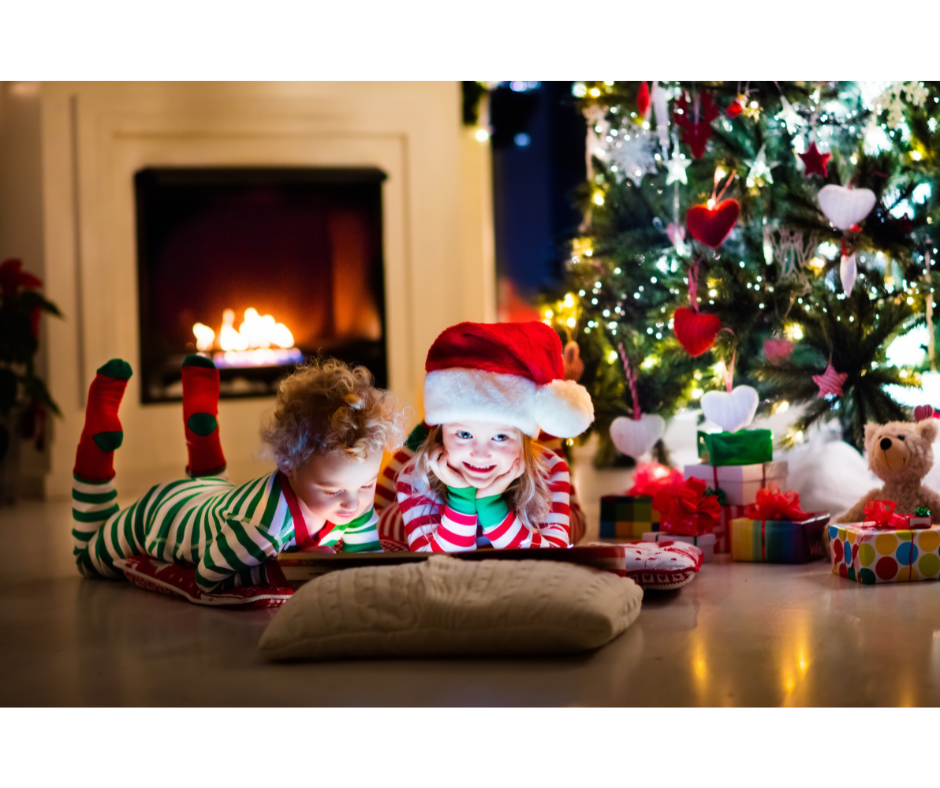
(10,276)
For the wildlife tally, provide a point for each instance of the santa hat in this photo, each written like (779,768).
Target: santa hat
(508,373)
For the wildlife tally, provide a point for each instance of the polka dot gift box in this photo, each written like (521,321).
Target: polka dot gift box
(870,554)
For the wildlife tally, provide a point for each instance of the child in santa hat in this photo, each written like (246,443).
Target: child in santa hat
(474,473)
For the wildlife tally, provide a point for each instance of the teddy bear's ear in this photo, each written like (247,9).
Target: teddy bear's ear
(927,429)
(870,430)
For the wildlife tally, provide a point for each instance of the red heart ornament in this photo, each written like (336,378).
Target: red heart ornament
(712,225)
(777,349)
(695,331)
(922,412)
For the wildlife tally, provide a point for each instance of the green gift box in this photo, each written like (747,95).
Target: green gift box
(744,447)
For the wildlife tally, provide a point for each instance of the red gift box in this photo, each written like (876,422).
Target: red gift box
(688,511)
(723,529)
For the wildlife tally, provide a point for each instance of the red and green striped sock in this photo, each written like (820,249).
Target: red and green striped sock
(200,409)
(102,434)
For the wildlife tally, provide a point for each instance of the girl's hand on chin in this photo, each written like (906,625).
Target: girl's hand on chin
(500,483)
(437,462)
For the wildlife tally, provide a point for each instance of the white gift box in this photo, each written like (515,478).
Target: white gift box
(704,542)
(739,483)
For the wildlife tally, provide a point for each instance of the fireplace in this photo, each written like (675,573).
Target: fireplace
(258,269)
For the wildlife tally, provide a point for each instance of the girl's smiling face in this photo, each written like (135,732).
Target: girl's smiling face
(335,487)
(481,450)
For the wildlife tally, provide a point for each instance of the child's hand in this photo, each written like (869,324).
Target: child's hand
(437,462)
(499,485)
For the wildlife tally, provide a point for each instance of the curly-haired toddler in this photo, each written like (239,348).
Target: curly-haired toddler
(327,433)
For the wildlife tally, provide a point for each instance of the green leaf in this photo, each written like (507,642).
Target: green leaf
(30,299)
(7,390)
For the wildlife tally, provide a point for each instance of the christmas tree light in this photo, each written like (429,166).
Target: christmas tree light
(798,283)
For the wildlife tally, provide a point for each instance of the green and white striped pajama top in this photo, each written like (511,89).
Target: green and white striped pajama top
(227,533)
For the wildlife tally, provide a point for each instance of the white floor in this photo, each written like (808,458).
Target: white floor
(740,634)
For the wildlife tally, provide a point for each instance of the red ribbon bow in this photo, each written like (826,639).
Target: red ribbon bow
(771,504)
(882,513)
(688,500)
(651,478)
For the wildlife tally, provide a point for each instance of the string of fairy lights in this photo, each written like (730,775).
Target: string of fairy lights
(612,301)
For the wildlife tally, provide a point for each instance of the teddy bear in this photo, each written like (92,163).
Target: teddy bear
(900,453)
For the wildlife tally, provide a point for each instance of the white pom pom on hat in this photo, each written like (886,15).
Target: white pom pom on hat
(508,373)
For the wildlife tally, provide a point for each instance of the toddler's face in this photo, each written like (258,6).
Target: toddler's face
(481,450)
(336,487)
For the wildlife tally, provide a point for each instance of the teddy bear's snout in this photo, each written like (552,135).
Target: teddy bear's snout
(893,453)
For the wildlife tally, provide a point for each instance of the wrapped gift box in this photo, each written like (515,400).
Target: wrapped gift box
(723,529)
(627,516)
(705,542)
(739,483)
(871,554)
(744,447)
(778,541)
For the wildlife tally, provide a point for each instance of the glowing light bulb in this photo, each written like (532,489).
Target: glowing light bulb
(482,135)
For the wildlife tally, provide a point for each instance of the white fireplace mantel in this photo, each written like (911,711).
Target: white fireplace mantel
(438,247)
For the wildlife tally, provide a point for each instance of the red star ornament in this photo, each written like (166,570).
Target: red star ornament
(814,161)
(830,382)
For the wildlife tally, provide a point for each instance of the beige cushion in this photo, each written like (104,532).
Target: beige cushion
(444,606)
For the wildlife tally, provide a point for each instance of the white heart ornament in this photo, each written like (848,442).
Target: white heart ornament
(845,207)
(732,410)
(848,270)
(636,437)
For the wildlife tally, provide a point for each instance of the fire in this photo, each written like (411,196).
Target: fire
(251,344)
(254,332)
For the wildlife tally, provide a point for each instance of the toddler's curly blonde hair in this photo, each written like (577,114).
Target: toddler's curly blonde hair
(327,406)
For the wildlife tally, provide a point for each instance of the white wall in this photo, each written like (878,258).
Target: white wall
(21,225)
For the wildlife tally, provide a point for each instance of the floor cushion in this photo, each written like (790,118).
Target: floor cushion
(445,606)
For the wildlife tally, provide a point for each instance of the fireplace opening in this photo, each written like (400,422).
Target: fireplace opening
(258,269)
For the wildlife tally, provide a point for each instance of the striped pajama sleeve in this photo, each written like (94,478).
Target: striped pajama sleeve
(431,524)
(385,488)
(248,536)
(505,530)
(359,536)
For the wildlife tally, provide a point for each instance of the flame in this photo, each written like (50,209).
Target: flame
(255,332)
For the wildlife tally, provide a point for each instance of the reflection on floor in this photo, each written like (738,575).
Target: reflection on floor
(740,634)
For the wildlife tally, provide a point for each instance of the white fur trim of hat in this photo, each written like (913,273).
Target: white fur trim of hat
(515,379)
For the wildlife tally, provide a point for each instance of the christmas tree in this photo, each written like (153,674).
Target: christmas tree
(771,234)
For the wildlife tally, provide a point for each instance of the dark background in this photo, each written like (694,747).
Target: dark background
(537,134)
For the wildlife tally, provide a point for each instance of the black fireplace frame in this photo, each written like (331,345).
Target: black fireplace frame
(372,354)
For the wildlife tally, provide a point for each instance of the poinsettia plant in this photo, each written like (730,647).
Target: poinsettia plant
(21,305)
